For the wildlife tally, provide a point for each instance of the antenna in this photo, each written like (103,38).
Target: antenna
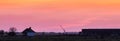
(62,28)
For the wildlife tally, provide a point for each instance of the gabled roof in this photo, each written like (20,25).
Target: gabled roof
(28,30)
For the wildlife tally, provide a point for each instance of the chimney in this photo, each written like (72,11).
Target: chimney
(30,27)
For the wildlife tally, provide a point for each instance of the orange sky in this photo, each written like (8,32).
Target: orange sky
(47,15)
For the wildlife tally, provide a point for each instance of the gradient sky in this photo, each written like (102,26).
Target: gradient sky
(47,15)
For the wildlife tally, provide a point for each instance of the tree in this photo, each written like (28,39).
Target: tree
(1,32)
(12,31)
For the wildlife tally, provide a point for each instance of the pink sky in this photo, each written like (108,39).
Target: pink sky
(47,15)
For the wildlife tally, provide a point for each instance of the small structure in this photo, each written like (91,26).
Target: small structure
(29,32)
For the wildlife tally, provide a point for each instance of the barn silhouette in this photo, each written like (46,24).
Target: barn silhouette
(29,32)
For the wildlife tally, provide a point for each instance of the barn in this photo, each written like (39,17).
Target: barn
(29,32)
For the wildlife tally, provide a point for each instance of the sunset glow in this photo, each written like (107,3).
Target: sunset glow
(47,15)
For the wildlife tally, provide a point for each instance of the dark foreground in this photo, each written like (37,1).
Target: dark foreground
(60,38)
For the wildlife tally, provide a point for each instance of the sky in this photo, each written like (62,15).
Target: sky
(48,15)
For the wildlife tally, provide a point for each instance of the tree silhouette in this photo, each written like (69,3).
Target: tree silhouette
(12,31)
(1,32)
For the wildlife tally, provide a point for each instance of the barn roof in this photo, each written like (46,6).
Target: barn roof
(28,30)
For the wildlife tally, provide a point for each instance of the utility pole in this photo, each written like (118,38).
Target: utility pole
(62,28)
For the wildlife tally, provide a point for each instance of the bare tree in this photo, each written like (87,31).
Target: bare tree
(12,29)
(1,32)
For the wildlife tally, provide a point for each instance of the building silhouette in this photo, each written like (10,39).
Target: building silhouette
(28,32)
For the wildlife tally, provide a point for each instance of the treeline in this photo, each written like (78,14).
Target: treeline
(11,32)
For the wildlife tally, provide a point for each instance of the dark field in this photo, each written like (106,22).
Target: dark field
(60,38)
(85,35)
